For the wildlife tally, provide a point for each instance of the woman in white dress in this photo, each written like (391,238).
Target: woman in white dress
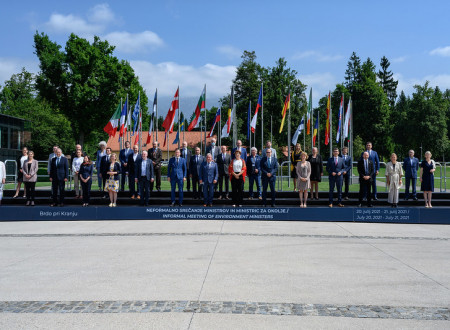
(394,173)
(2,179)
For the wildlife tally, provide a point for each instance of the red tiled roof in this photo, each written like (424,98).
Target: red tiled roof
(192,138)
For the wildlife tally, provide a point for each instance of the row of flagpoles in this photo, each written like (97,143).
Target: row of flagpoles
(122,119)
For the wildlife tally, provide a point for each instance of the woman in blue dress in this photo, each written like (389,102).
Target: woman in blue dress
(427,168)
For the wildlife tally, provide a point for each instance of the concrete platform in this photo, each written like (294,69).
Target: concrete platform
(205,274)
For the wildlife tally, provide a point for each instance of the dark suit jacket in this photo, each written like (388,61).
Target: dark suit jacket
(177,172)
(132,163)
(115,177)
(195,168)
(216,151)
(373,156)
(86,171)
(362,171)
(332,167)
(211,174)
(155,157)
(104,165)
(188,157)
(272,169)
(149,173)
(250,168)
(347,163)
(123,158)
(411,170)
(243,153)
(223,163)
(61,171)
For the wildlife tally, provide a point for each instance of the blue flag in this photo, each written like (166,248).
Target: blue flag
(135,115)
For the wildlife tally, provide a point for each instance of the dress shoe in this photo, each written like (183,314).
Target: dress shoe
(172,204)
(346,198)
(220,197)
(180,205)
(32,203)
(340,205)
(27,203)
(415,199)
(227,198)
(360,205)
(375,198)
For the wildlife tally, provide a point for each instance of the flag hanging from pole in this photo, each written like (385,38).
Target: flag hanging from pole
(123,116)
(300,128)
(139,132)
(309,113)
(113,123)
(201,105)
(152,119)
(135,115)
(327,127)
(347,120)
(181,128)
(255,116)
(341,111)
(216,120)
(248,120)
(286,107)
(165,138)
(227,127)
(170,118)
(128,122)
(316,129)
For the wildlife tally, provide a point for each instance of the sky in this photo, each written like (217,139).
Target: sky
(192,43)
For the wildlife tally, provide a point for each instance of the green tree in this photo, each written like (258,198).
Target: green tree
(47,125)
(86,82)
(401,132)
(387,81)
(353,70)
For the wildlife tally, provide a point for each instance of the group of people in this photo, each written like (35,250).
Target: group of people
(217,170)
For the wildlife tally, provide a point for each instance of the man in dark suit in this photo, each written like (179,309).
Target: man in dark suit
(155,155)
(123,158)
(223,162)
(254,173)
(176,175)
(373,156)
(186,154)
(366,170)
(144,175)
(347,174)
(241,149)
(269,167)
(59,174)
(213,149)
(196,163)
(132,161)
(410,166)
(335,169)
(209,176)
(104,169)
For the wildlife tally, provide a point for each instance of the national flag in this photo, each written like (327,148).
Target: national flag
(165,138)
(111,127)
(300,128)
(123,116)
(139,131)
(216,120)
(341,111)
(201,105)
(316,129)
(128,122)
(348,115)
(309,113)
(180,128)
(152,119)
(227,127)
(170,118)
(135,115)
(286,106)
(258,105)
(327,127)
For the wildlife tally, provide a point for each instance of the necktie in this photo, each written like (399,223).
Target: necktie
(57,161)
(196,159)
(177,161)
(269,162)
(335,161)
(367,170)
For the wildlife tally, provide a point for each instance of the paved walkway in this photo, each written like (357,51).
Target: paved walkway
(223,275)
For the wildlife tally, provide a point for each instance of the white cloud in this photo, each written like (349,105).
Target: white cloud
(101,14)
(441,51)
(10,66)
(167,76)
(230,51)
(317,56)
(64,24)
(407,84)
(399,59)
(127,42)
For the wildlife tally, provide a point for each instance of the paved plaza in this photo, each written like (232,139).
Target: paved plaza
(223,275)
